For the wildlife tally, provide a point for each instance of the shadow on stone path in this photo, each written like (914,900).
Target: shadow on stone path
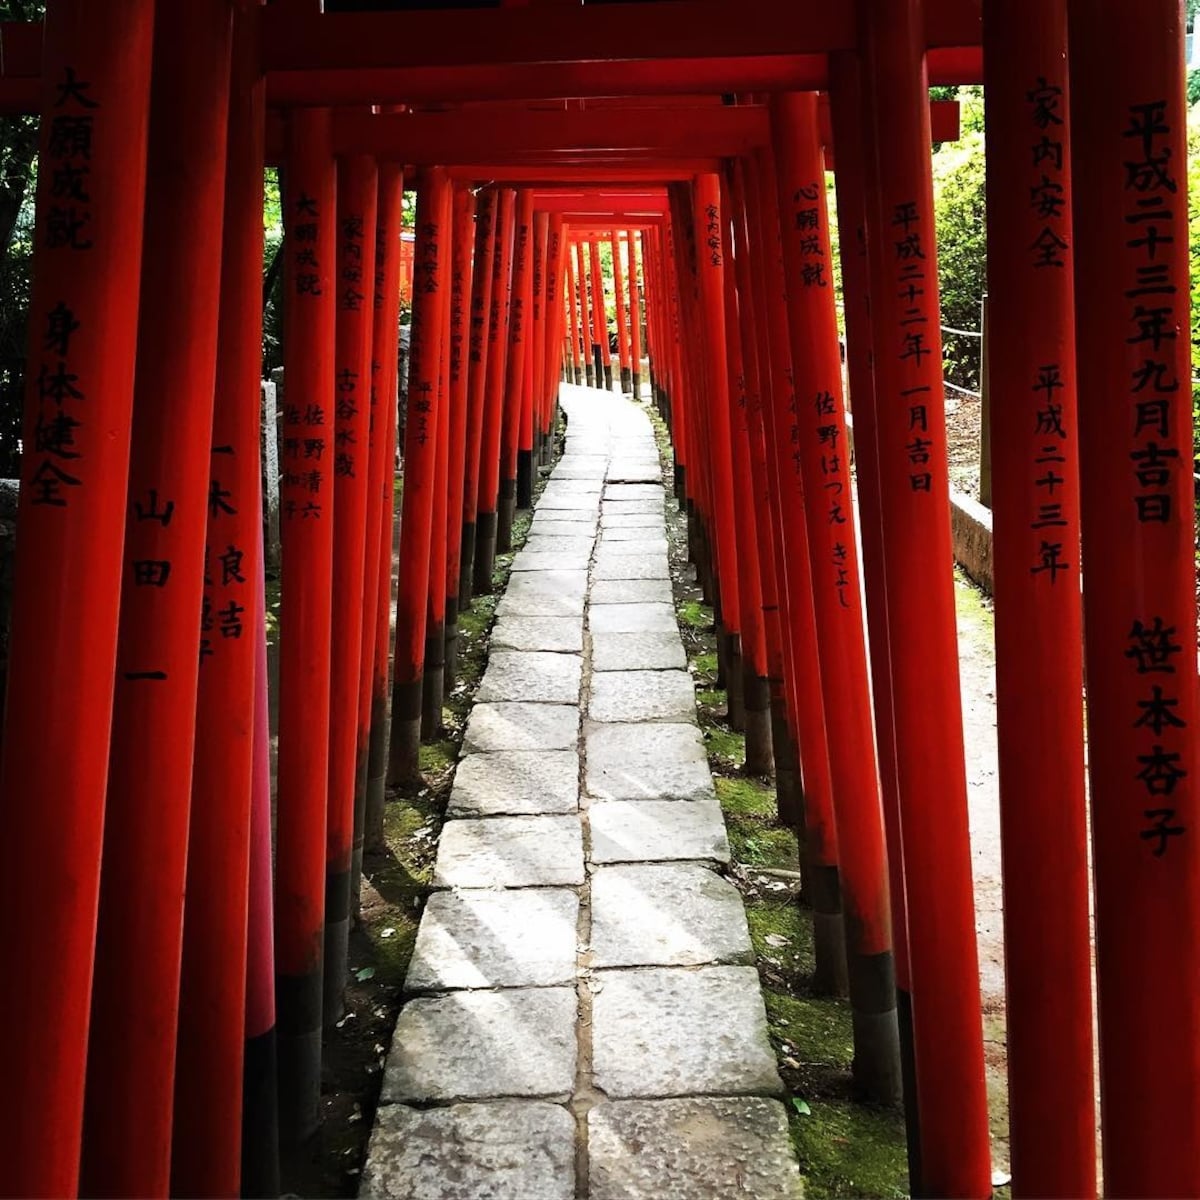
(584,1018)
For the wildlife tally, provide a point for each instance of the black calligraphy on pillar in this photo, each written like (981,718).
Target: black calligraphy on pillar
(807,218)
(350,272)
(304,442)
(712,234)
(1157,463)
(909,265)
(66,225)
(345,442)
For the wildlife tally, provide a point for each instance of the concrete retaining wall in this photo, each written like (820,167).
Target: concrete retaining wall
(971,528)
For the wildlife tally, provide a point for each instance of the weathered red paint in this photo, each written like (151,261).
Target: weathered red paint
(481,301)
(206,1145)
(462,250)
(497,351)
(622,317)
(1128,156)
(803,687)
(600,314)
(53,773)
(519,331)
(346,459)
(635,318)
(819,432)
(420,475)
(920,597)
(307,512)
(381,508)
(131,1048)
(1039,636)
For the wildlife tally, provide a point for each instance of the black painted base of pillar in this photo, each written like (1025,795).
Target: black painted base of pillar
(577,377)
(466,566)
(360,816)
(627,381)
(831,975)
(876,1068)
(608,377)
(506,515)
(404,750)
(450,653)
(485,553)
(759,754)
(588,376)
(433,684)
(735,691)
(337,946)
(912,1113)
(524,478)
(680,483)
(298,1016)
(597,366)
(636,385)
(260,1116)
(377,756)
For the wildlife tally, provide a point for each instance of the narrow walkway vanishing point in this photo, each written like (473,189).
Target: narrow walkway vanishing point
(584,1018)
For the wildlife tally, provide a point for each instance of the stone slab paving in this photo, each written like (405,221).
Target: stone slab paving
(563,634)
(533,675)
(515,726)
(644,761)
(518,937)
(692,1147)
(630,591)
(690,916)
(498,1151)
(580,1017)
(535,558)
(649,651)
(657,831)
(516,783)
(654,617)
(510,852)
(643,696)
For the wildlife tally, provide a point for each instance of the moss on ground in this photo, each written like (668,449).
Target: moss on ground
(396,883)
(844,1148)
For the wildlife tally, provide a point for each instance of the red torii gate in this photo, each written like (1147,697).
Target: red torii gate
(875,58)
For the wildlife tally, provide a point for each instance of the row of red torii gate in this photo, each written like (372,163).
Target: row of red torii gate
(152,978)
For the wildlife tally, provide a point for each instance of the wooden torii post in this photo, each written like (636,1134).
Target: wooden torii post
(94,68)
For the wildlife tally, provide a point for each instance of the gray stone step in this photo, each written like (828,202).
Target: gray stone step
(582,963)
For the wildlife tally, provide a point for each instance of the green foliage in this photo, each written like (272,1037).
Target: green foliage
(272,243)
(959,209)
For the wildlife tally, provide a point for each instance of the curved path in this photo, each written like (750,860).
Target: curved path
(584,1017)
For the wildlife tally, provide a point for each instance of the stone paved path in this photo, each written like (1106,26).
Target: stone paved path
(584,1018)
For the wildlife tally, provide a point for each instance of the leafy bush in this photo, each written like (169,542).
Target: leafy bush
(960,215)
